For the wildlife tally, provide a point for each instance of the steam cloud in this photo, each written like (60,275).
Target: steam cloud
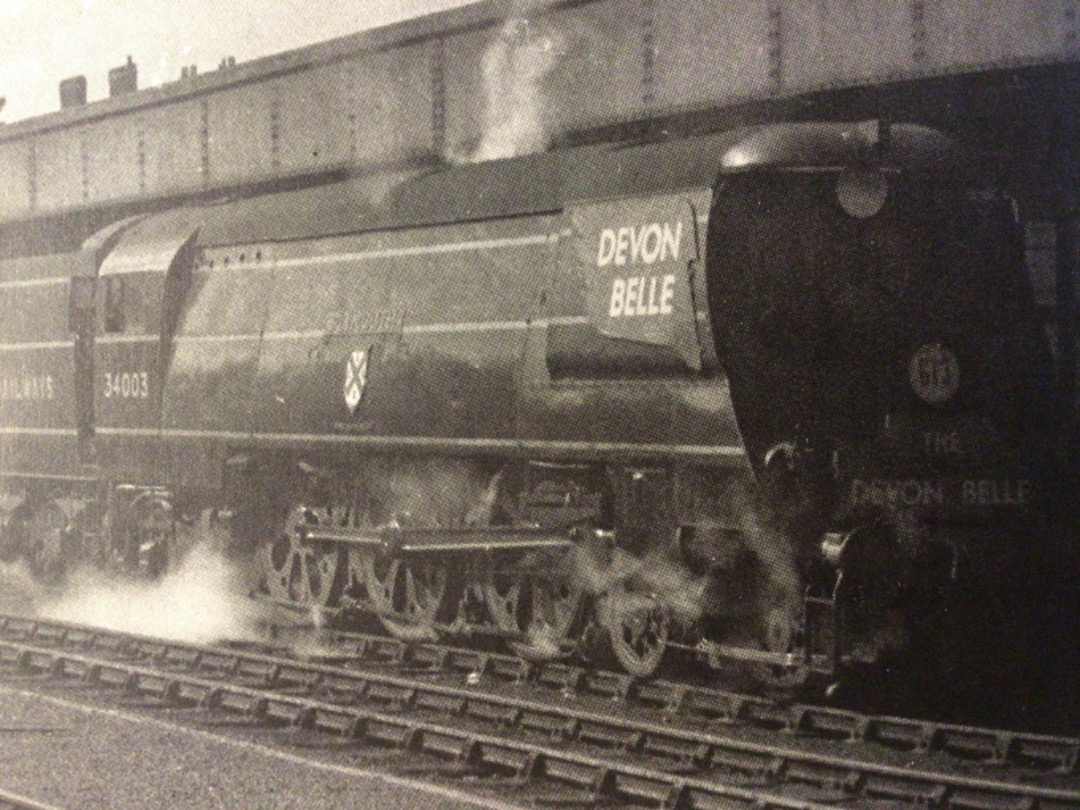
(200,601)
(752,586)
(18,590)
(514,68)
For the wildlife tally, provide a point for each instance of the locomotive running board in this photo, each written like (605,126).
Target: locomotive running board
(442,541)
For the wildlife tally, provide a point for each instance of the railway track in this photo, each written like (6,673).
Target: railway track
(530,731)
(694,703)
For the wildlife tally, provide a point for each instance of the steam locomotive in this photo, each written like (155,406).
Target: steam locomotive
(775,398)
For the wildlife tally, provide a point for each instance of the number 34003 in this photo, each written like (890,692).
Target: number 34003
(129,385)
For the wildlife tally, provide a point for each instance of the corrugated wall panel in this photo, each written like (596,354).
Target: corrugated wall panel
(839,44)
(115,169)
(962,32)
(464,89)
(600,76)
(239,127)
(315,128)
(581,67)
(172,147)
(709,52)
(59,163)
(394,104)
(15,185)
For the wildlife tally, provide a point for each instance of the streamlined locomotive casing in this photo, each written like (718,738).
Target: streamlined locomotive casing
(896,397)
(470,313)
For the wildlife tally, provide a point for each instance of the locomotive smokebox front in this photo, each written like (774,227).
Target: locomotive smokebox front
(887,369)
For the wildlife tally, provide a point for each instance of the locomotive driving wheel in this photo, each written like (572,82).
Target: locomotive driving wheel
(533,601)
(299,570)
(405,594)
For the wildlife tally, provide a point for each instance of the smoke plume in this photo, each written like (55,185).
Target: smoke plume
(513,68)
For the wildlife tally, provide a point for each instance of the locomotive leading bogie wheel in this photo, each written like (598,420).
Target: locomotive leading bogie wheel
(302,571)
(637,628)
(406,595)
(782,634)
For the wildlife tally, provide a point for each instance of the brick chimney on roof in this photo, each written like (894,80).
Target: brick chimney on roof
(124,79)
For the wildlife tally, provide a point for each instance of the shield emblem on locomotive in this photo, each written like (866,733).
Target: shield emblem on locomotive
(356,372)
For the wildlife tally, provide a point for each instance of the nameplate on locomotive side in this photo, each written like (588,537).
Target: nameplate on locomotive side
(636,257)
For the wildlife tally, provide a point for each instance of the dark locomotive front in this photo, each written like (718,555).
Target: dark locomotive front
(891,382)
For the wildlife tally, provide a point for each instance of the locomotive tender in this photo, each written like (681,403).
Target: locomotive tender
(770,396)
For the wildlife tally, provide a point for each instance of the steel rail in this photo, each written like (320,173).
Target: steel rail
(992,746)
(703,753)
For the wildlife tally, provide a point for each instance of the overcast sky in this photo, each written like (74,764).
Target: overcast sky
(44,41)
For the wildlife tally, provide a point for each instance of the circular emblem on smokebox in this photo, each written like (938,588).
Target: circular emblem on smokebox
(934,373)
(356,369)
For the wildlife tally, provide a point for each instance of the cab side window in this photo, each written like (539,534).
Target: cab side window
(130,304)
(113,315)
